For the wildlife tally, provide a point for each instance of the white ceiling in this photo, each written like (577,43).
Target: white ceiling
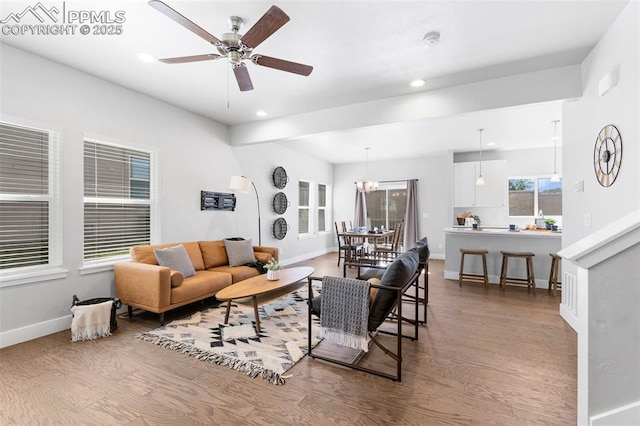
(360,50)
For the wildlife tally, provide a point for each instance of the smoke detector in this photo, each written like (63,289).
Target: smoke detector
(431,39)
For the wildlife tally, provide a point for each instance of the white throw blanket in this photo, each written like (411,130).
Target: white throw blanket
(344,312)
(91,321)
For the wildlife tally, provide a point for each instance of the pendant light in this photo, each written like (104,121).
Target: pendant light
(555,177)
(480,180)
(367,185)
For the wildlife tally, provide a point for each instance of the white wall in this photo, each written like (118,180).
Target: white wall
(435,194)
(617,50)
(193,156)
(258,162)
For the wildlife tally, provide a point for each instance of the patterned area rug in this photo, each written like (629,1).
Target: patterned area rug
(281,342)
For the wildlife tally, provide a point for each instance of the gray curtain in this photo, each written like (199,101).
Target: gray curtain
(360,215)
(411,215)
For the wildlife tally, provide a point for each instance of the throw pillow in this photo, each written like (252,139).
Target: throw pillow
(176,278)
(175,258)
(396,276)
(239,252)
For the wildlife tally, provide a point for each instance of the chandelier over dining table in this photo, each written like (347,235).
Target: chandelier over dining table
(367,185)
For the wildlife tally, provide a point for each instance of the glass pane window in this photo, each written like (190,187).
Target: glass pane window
(117,202)
(527,196)
(139,181)
(304,227)
(30,216)
(386,207)
(550,197)
(522,197)
(313,208)
(322,207)
(303,220)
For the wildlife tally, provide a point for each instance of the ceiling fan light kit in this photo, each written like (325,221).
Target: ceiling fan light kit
(237,47)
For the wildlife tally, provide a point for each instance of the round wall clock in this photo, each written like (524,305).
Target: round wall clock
(607,155)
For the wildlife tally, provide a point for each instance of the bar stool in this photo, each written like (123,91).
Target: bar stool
(484,278)
(530,281)
(554,284)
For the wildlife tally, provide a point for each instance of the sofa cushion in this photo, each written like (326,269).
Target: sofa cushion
(214,253)
(239,252)
(395,276)
(238,273)
(421,247)
(145,254)
(204,282)
(262,257)
(175,258)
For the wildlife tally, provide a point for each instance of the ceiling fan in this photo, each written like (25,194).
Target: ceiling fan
(237,47)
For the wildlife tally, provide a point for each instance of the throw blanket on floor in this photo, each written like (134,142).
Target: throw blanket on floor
(345,312)
(91,321)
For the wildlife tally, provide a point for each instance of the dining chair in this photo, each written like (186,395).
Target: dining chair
(389,250)
(346,247)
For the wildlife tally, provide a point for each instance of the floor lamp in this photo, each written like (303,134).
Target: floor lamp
(242,184)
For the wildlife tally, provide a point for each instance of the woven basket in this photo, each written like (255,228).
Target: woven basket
(116,305)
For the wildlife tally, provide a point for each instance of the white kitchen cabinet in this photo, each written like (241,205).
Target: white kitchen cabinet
(492,194)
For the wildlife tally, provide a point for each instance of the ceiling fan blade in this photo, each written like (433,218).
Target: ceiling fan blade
(268,24)
(242,75)
(195,58)
(281,64)
(172,14)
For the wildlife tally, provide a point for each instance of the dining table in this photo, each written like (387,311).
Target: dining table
(369,237)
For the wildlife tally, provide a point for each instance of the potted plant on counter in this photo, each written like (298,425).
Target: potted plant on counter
(549,223)
(273,270)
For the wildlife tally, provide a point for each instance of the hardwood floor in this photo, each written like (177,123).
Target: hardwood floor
(487,356)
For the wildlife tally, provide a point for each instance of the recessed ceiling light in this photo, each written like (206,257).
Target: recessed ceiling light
(145,57)
(491,144)
(261,113)
(431,39)
(417,83)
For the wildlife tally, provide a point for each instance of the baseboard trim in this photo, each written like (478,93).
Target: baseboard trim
(34,331)
(296,259)
(493,279)
(625,415)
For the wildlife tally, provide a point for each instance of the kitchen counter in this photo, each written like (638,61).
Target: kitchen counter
(496,239)
(505,232)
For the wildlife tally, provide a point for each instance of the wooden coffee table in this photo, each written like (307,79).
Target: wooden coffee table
(260,286)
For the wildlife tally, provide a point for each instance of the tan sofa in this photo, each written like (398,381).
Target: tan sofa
(142,283)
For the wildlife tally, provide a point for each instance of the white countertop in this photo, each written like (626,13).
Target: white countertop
(502,232)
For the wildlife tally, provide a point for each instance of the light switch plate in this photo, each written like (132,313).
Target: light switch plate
(587,220)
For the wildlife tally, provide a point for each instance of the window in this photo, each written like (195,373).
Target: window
(303,207)
(313,208)
(527,196)
(30,216)
(322,207)
(387,205)
(118,200)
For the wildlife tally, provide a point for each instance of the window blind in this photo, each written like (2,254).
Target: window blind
(322,207)
(303,207)
(28,197)
(117,199)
